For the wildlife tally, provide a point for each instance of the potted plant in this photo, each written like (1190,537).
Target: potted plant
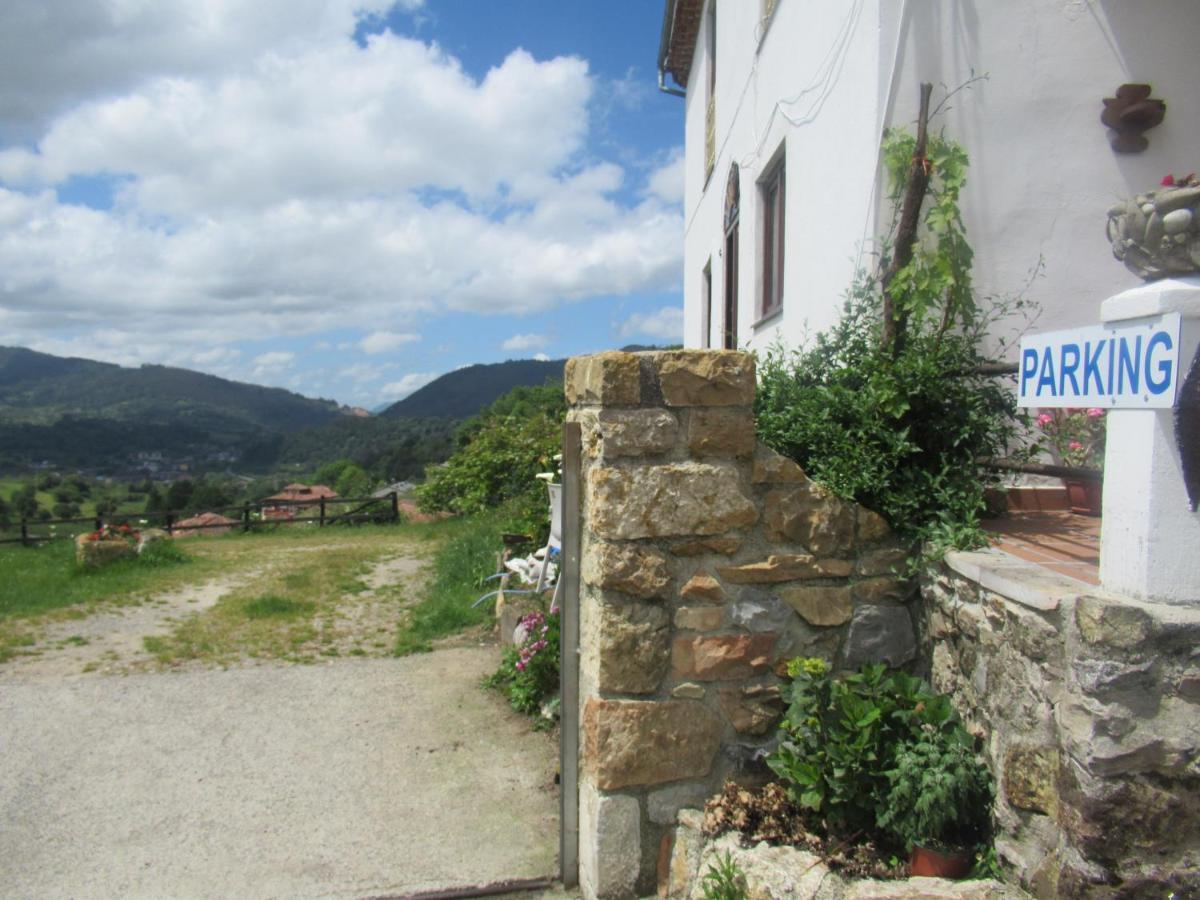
(1077,438)
(940,797)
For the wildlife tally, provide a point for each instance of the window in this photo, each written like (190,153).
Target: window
(774,197)
(710,109)
(732,202)
(706,306)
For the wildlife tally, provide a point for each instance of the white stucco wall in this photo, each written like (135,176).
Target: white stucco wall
(1042,170)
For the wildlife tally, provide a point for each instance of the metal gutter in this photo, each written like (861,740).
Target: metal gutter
(664,47)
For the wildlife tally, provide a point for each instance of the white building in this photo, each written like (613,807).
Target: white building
(793,97)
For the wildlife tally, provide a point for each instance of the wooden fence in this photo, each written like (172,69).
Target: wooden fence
(249,516)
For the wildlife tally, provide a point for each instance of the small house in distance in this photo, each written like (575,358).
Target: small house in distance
(294,500)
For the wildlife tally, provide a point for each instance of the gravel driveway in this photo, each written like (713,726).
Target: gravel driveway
(358,778)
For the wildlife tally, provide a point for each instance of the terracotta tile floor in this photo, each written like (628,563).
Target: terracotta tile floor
(1060,541)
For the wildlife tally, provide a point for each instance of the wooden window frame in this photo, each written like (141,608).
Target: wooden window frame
(773,193)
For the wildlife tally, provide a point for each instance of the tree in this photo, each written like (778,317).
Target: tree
(178,494)
(24,501)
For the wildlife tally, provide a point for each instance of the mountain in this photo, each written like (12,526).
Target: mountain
(462,393)
(77,411)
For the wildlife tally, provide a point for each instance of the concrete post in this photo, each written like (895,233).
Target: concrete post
(1150,539)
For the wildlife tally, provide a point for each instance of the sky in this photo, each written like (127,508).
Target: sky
(345,198)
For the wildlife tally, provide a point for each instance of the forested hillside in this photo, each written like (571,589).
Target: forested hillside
(465,392)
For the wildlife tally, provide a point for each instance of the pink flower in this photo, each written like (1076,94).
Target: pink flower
(1045,419)
(1095,412)
(1168,181)
(1075,445)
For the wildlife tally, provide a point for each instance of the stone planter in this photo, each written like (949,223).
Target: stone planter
(94,554)
(1157,234)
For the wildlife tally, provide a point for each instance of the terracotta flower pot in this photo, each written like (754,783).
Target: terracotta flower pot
(1084,497)
(938,864)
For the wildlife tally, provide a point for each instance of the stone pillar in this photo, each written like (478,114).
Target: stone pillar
(706,561)
(1150,539)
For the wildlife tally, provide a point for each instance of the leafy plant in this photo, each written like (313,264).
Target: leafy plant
(528,674)
(840,740)
(940,791)
(900,427)
(723,880)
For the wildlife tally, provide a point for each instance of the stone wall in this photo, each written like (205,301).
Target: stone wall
(707,560)
(1089,708)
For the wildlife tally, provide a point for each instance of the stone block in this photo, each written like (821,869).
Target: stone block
(603,379)
(634,432)
(706,377)
(703,586)
(629,568)
(688,691)
(610,840)
(725,431)
(882,561)
(726,546)
(773,468)
(687,845)
(635,742)
(699,618)
(759,611)
(823,524)
(1109,622)
(871,526)
(667,501)
(96,554)
(717,657)
(780,567)
(663,804)
(1031,779)
(752,709)
(878,590)
(879,634)
(633,645)
(820,605)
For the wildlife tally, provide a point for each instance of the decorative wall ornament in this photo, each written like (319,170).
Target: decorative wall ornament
(1130,114)
(1157,234)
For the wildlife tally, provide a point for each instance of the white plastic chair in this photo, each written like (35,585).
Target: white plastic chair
(554,543)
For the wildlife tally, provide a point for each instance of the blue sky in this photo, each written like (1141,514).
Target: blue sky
(342,197)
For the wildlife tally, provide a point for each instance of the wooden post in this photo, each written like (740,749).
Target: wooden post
(246,517)
(170,521)
(99,522)
(321,524)
(395,507)
(24,533)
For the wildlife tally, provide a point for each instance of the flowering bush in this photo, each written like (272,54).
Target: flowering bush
(114,533)
(528,673)
(1076,435)
(1186,181)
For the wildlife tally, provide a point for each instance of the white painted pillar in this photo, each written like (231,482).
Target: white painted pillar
(1150,540)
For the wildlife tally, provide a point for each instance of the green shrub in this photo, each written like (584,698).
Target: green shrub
(500,452)
(851,748)
(900,427)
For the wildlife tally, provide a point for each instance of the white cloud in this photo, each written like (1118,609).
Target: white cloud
(526,342)
(56,54)
(665,325)
(386,341)
(666,182)
(541,357)
(272,364)
(398,390)
(276,179)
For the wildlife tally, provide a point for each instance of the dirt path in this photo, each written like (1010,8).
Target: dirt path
(355,778)
(112,638)
(350,777)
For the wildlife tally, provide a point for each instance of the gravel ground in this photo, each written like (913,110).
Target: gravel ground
(357,778)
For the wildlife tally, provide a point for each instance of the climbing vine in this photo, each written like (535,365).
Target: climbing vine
(888,407)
